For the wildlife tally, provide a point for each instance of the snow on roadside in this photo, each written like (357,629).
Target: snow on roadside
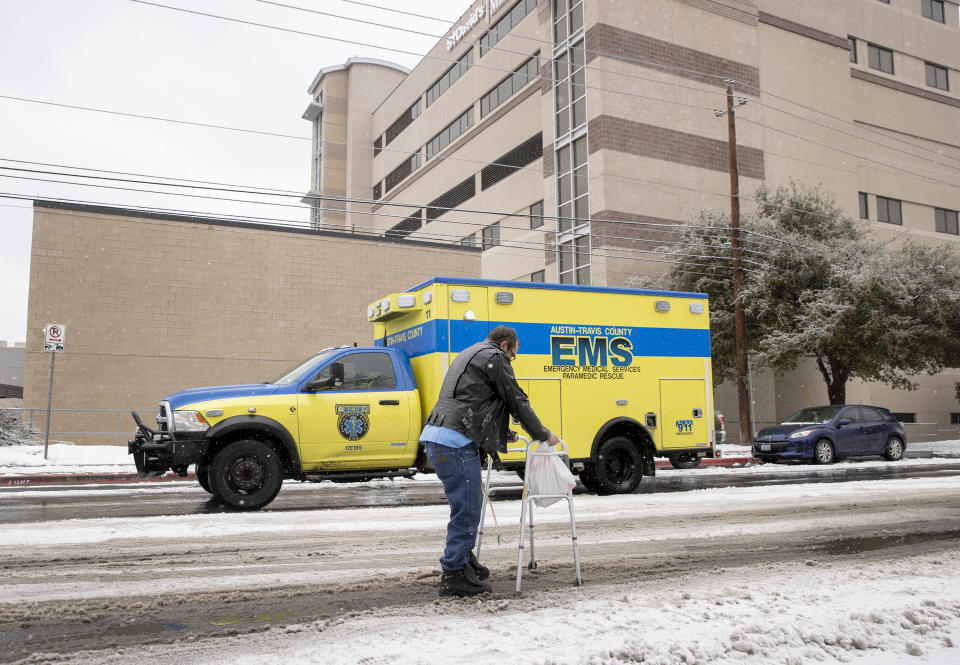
(71,459)
(816,611)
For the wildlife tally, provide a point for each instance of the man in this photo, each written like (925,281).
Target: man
(478,395)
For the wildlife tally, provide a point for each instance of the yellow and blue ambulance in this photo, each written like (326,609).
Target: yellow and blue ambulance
(622,375)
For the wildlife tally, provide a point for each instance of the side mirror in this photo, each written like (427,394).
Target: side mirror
(336,374)
(335,380)
(842,422)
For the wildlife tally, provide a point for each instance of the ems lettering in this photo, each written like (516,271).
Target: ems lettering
(590,351)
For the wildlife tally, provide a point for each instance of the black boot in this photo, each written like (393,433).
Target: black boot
(482,571)
(455,583)
(470,575)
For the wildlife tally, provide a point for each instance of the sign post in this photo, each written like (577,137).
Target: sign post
(53,334)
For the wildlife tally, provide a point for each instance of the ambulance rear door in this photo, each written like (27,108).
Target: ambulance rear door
(685,422)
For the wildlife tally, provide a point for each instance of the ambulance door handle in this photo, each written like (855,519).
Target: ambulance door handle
(390,402)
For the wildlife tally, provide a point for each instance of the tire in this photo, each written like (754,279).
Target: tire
(894,449)
(618,466)
(203,477)
(246,475)
(589,481)
(823,452)
(684,461)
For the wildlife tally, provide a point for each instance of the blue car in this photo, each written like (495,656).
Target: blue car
(825,433)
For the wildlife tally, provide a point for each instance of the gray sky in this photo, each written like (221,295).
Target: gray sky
(135,58)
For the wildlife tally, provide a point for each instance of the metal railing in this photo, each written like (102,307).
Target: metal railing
(124,421)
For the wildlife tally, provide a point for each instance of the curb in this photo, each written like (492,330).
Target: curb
(40,480)
(43,480)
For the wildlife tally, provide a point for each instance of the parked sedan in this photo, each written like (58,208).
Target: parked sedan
(825,433)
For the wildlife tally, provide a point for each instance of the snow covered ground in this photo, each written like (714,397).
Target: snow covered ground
(868,607)
(787,575)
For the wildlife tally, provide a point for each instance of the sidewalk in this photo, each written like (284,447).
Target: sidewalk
(67,464)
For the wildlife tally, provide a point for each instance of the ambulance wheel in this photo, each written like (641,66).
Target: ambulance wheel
(203,476)
(589,481)
(684,461)
(246,475)
(618,466)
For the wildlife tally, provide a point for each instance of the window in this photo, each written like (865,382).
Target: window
(538,276)
(450,133)
(526,153)
(452,198)
(377,191)
(407,226)
(401,123)
(955,418)
(573,259)
(864,205)
(502,27)
(888,210)
(932,9)
(469,241)
(869,415)
(570,91)
(363,371)
(377,146)
(886,2)
(491,236)
(880,58)
(568,19)
(852,44)
(905,417)
(408,166)
(450,77)
(946,220)
(937,76)
(536,215)
(522,75)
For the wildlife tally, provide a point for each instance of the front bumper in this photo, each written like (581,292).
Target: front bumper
(782,449)
(156,453)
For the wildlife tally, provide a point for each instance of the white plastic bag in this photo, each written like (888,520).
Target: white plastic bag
(547,474)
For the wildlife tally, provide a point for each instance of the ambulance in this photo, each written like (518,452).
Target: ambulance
(621,375)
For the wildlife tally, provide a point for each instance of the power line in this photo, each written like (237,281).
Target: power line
(851,154)
(492,48)
(634,60)
(651,226)
(456,237)
(154,117)
(381,233)
(395,50)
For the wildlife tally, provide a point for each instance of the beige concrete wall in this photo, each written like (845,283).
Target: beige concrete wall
(152,306)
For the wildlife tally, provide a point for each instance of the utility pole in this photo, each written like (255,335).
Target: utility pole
(740,331)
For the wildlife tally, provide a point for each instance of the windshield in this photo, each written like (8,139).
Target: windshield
(815,415)
(296,372)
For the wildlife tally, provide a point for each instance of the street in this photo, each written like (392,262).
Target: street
(180,582)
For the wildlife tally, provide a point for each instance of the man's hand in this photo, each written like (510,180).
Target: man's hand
(553,439)
(511,436)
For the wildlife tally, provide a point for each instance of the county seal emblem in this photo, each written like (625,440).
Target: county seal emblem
(353,420)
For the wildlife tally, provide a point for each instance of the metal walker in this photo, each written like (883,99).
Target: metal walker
(526,506)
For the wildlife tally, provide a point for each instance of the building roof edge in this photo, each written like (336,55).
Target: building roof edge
(353,61)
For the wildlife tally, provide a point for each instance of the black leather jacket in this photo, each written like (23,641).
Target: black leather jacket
(477,395)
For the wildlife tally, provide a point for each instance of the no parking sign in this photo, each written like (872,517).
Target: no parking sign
(53,334)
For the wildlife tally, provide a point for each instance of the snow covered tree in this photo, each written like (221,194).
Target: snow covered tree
(815,285)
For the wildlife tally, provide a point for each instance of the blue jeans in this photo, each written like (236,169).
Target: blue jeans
(459,471)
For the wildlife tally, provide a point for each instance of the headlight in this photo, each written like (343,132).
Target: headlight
(189,421)
(800,434)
